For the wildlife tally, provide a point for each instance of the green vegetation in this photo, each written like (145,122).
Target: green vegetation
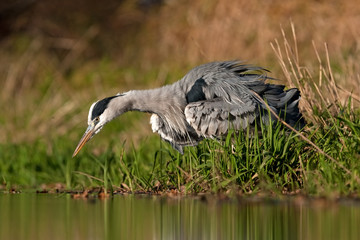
(278,161)
(49,84)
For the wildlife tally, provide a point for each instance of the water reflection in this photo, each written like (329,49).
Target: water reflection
(37,216)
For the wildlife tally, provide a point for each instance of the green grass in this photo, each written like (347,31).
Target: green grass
(273,160)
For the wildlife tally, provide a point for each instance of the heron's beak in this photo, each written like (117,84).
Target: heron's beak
(90,131)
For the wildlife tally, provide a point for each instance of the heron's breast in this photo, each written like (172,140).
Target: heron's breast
(155,122)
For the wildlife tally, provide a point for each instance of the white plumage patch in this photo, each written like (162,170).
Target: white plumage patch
(90,113)
(157,126)
(155,123)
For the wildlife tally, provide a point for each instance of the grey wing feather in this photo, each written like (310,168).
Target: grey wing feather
(223,97)
(215,117)
(220,98)
(230,80)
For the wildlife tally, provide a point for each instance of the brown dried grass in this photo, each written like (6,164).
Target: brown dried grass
(201,31)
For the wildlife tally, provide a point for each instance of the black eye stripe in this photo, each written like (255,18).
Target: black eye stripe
(100,106)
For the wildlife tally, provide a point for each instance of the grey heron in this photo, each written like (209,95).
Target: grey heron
(208,101)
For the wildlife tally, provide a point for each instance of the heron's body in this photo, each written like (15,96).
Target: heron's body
(205,103)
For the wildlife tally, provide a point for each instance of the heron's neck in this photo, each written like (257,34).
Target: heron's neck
(160,101)
(167,102)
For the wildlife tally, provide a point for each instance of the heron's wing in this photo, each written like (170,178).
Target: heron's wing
(232,81)
(215,117)
(222,97)
(236,106)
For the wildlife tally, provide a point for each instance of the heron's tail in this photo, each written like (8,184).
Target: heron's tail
(286,104)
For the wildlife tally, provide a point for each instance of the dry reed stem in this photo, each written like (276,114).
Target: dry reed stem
(353,95)
(332,80)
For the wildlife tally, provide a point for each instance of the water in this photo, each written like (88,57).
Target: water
(49,216)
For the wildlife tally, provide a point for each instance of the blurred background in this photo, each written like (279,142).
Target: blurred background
(58,57)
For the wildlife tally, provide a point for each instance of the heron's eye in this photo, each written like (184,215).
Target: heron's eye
(97,119)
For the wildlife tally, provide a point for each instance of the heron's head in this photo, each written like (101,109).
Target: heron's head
(99,115)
